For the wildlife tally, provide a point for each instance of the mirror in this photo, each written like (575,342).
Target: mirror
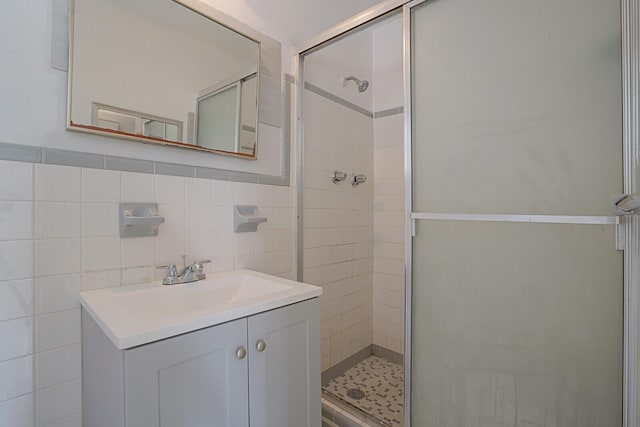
(157,71)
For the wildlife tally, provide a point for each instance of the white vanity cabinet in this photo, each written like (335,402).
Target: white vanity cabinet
(259,371)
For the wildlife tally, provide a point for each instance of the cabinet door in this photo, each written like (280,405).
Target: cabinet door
(193,380)
(284,377)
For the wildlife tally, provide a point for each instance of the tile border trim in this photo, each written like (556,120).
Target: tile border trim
(389,112)
(385,353)
(319,91)
(346,364)
(335,98)
(54,156)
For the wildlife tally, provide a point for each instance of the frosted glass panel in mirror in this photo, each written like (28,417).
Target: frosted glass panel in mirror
(517,106)
(217,119)
(516,325)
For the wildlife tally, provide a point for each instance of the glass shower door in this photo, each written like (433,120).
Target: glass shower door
(517,285)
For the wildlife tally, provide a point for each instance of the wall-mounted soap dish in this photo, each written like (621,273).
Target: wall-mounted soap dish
(139,219)
(246,218)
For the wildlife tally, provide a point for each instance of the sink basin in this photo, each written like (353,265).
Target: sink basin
(134,315)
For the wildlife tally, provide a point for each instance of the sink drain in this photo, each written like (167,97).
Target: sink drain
(355,393)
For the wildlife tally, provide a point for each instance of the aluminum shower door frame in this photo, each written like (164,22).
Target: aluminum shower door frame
(630,28)
(630,225)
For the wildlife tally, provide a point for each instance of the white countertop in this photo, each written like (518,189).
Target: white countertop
(134,315)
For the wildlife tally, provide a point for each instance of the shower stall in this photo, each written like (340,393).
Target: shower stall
(477,276)
(352,226)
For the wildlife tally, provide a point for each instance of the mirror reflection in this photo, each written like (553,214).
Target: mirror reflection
(157,71)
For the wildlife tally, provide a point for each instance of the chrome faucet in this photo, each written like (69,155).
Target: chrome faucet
(190,273)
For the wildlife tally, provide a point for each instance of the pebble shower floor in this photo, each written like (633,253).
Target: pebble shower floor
(376,387)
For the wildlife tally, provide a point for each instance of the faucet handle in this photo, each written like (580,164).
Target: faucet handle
(172,270)
(199,265)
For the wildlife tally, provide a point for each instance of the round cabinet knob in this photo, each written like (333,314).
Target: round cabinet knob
(241,353)
(261,346)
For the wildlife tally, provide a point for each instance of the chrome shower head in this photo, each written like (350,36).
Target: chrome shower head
(362,84)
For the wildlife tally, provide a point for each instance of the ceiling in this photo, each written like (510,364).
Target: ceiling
(294,21)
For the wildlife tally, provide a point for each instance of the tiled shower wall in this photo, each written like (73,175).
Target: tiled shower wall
(388,185)
(59,235)
(388,233)
(338,224)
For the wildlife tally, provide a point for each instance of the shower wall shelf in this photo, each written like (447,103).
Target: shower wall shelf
(139,219)
(246,218)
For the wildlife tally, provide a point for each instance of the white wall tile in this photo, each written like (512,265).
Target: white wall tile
(281,197)
(264,242)
(100,253)
(57,220)
(56,293)
(72,421)
(197,246)
(245,194)
(174,219)
(263,262)
(16,219)
(137,187)
(198,219)
(18,412)
(16,259)
(281,219)
(222,193)
(223,244)
(101,186)
(56,403)
(170,248)
(222,218)
(15,336)
(282,262)
(137,275)
(170,189)
(264,196)
(57,256)
(197,192)
(16,299)
(100,220)
(245,261)
(101,279)
(57,183)
(17,377)
(16,180)
(245,244)
(57,366)
(138,251)
(58,329)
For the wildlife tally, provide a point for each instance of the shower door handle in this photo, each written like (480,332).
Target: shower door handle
(625,204)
